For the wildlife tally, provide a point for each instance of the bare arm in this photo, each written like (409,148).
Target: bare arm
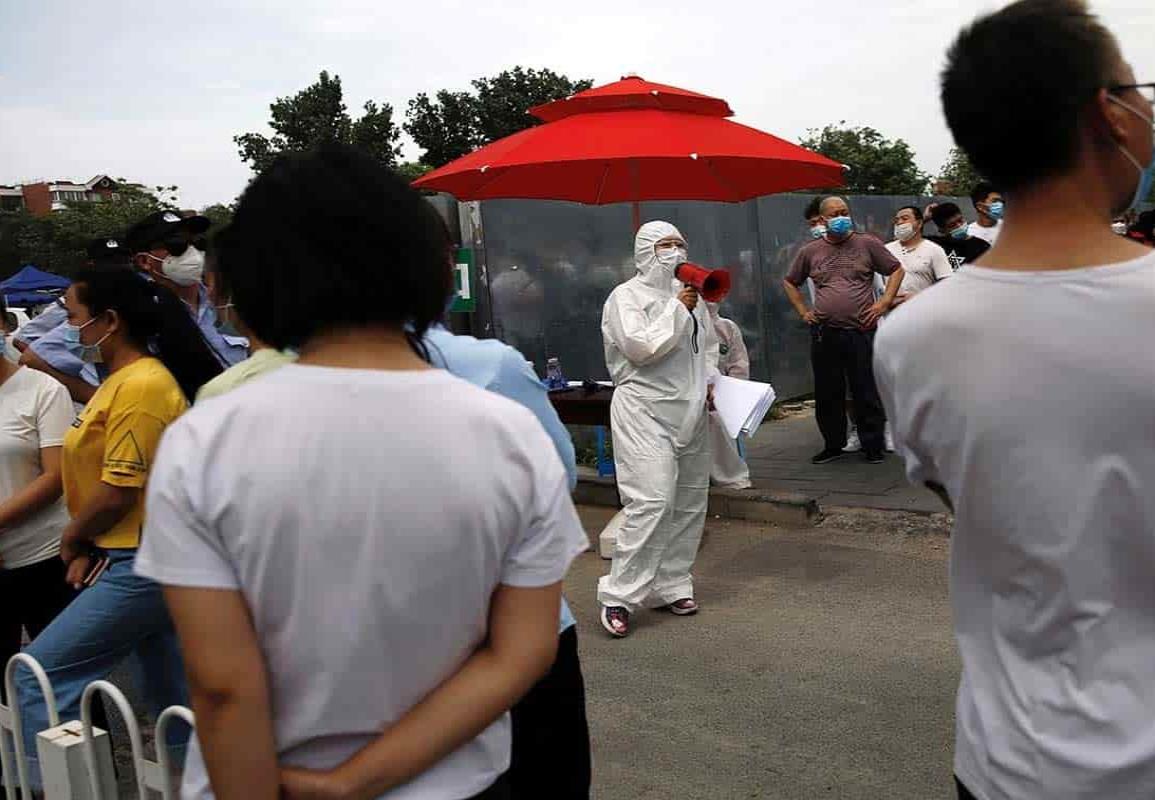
(892,286)
(521,647)
(80,390)
(42,492)
(886,302)
(228,684)
(794,295)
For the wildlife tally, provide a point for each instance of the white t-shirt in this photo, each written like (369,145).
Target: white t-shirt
(1031,397)
(35,412)
(925,265)
(988,235)
(367,524)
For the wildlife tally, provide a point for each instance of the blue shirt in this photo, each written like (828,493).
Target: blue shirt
(52,348)
(229,350)
(499,368)
(49,318)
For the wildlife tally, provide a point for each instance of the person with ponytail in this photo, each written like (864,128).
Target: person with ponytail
(362,554)
(155,360)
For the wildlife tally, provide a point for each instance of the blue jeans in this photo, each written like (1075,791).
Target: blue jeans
(121,615)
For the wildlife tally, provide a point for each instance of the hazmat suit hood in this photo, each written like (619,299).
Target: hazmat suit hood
(652,272)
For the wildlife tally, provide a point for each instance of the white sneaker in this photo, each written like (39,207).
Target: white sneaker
(853,445)
(889,438)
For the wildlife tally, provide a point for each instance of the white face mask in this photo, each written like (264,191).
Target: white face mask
(671,257)
(187,269)
(904,232)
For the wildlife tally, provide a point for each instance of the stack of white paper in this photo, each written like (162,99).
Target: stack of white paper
(742,405)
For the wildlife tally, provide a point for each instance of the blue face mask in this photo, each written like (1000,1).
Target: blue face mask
(1146,174)
(840,226)
(818,231)
(995,209)
(959,233)
(88,353)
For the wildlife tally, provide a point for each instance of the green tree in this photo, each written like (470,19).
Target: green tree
(316,115)
(503,101)
(958,175)
(219,214)
(877,165)
(57,242)
(412,170)
(454,123)
(25,239)
(78,223)
(445,128)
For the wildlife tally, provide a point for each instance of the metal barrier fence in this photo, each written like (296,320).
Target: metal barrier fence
(10,721)
(157,776)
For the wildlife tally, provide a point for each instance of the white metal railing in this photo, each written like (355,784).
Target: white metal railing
(10,720)
(155,775)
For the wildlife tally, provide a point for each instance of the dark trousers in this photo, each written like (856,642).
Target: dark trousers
(842,357)
(498,791)
(551,738)
(963,792)
(30,598)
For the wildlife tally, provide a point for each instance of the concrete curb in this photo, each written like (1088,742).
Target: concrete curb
(780,508)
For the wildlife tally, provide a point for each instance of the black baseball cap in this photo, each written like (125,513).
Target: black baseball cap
(110,247)
(160,225)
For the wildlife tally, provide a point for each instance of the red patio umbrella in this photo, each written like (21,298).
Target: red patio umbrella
(631,141)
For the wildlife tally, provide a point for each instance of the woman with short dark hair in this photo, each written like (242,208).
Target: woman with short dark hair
(362,554)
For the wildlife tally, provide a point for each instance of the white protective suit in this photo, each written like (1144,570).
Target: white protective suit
(728,469)
(658,418)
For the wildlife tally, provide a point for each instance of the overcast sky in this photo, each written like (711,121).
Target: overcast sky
(154,92)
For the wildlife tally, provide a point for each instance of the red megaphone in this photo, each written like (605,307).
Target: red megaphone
(712,284)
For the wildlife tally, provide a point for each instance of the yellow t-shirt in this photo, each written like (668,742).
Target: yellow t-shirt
(115,438)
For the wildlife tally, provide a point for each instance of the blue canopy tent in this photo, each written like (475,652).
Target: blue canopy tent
(32,287)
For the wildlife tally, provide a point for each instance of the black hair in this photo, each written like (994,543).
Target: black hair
(813,209)
(915,209)
(155,320)
(943,212)
(1016,83)
(981,191)
(220,281)
(330,238)
(1145,224)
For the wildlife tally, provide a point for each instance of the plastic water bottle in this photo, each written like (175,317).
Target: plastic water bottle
(553,377)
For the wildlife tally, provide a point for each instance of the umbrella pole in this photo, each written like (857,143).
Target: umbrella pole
(637,215)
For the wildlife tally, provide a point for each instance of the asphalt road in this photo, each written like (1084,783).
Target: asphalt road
(822,665)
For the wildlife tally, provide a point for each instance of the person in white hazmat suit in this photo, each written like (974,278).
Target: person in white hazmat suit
(662,353)
(728,469)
